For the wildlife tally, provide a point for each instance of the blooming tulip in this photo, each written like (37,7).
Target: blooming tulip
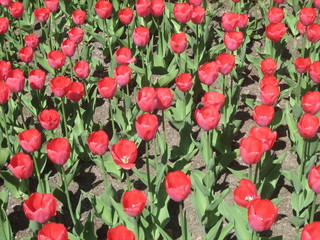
(103,8)
(15,80)
(124,56)
(120,232)
(178,185)
(125,153)
(147,126)
(147,99)
(307,16)
(265,135)
(314,179)
(107,87)
(98,142)
(275,15)
(58,150)
(302,65)
(308,125)
(82,69)
(233,40)
(178,42)
(30,140)
(4,25)
(157,7)
(56,59)
(263,115)
(4,92)
(311,231)
(225,62)
(184,82)
(245,193)
(125,15)
(143,8)
(16,9)
(207,117)
(251,150)
(276,31)
(31,40)
(133,202)
(310,102)
(59,85)
(49,119)
(141,36)
(268,66)
(164,98)
(75,91)
(26,54)
(214,99)
(182,12)
(79,17)
(21,166)
(208,72)
(53,231)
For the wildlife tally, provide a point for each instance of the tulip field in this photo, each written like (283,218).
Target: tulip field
(159,120)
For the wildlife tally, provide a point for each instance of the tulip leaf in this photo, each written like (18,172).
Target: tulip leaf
(4,155)
(5,226)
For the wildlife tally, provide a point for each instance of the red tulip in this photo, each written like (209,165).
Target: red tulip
(79,17)
(278,1)
(98,142)
(301,28)
(208,72)
(178,185)
(182,12)
(268,66)
(122,74)
(125,15)
(269,80)
(214,99)
(143,8)
(184,82)
(314,179)
(302,64)
(276,31)
(198,15)
(316,3)
(82,69)
(21,166)
(233,40)
(52,5)
(207,117)
(124,153)
(251,150)
(31,40)
(235,1)
(225,62)
(147,126)
(5,3)
(103,8)
(75,91)
(120,232)
(4,25)
(195,3)
(124,56)
(315,71)
(15,80)
(313,33)
(243,20)
(26,54)
(261,214)
(56,59)
(307,16)
(141,36)
(68,47)
(107,87)
(263,115)
(265,135)
(147,99)
(59,85)
(76,34)
(4,92)
(311,231)
(310,102)
(40,207)
(58,150)
(245,193)
(133,202)
(308,125)
(157,7)
(5,67)
(53,231)
(164,98)
(30,140)
(275,15)
(178,42)
(229,21)
(16,9)
(269,94)
(41,14)
(49,119)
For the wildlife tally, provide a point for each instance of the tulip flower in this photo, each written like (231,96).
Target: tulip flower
(313,33)
(311,231)
(147,126)
(195,3)
(198,15)
(124,56)
(314,179)
(41,14)
(4,92)
(229,21)
(54,231)
(275,15)
(59,85)
(302,65)
(21,166)
(251,150)
(184,82)
(269,94)
(49,119)
(75,91)
(164,98)
(16,9)
(208,72)
(147,99)
(107,87)
(124,153)
(157,7)
(178,185)
(182,12)
(26,54)
(56,59)
(4,25)
(30,140)
(269,80)
(125,15)
(265,135)
(76,34)
(263,115)
(268,66)
(143,8)
(214,99)
(307,16)
(242,20)
(82,69)
(15,80)
(68,47)
(79,17)
(103,9)
(120,232)
(141,36)
(178,42)
(52,5)
(233,40)
(301,28)
(245,193)
(225,62)
(5,3)
(122,74)
(133,202)
(308,126)
(315,72)
(98,142)
(31,40)
(276,31)
(58,150)
(5,67)
(207,117)
(310,102)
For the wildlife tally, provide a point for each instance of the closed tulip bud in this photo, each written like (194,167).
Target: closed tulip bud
(262,214)
(275,15)
(79,17)
(301,28)
(98,142)
(125,153)
(49,119)
(302,64)
(15,80)
(103,8)
(147,99)
(59,85)
(5,3)
(122,74)
(310,102)
(16,9)
(4,92)
(263,115)
(68,47)
(141,36)
(316,3)
(207,117)
(75,91)
(120,232)
(26,54)
(21,166)
(307,16)
(233,40)
(125,15)
(278,1)
(4,25)
(225,62)
(314,179)
(178,42)
(315,72)
(157,7)
(208,72)
(178,185)
(308,125)
(268,66)
(58,150)
(276,31)
(30,140)
(269,94)
(143,8)
(52,5)
(245,193)
(198,15)
(147,126)
(37,78)
(56,59)
(195,3)
(41,14)
(164,98)
(251,150)
(184,82)
(5,67)
(82,69)
(53,231)
(243,20)
(133,202)
(311,231)
(124,56)
(107,87)
(313,32)
(182,12)
(214,99)
(265,135)
(31,40)
(230,21)
(76,34)
(269,80)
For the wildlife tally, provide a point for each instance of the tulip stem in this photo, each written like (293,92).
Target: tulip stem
(104,172)
(111,116)
(71,69)
(20,32)
(197,48)
(155,151)
(303,46)
(256,173)
(303,159)
(164,126)
(6,128)
(137,226)
(313,208)
(64,117)
(148,166)
(183,229)
(21,110)
(36,166)
(128,35)
(250,172)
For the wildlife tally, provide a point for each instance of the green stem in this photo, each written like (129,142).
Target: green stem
(163,126)
(128,180)
(64,117)
(111,116)
(313,208)
(71,69)
(104,172)
(21,110)
(148,166)
(197,48)
(183,230)
(303,159)
(6,128)
(20,32)
(303,46)
(36,166)
(250,172)
(155,151)
(137,226)
(256,173)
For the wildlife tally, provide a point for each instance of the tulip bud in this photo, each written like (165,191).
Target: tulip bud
(147,99)
(76,34)
(157,7)
(125,15)
(124,56)
(225,62)
(103,8)
(41,14)
(59,85)
(245,193)
(52,5)
(233,40)
(310,102)
(58,150)
(147,126)
(52,231)
(275,15)
(214,99)
(68,47)
(4,92)
(207,117)
(315,72)
(125,153)
(133,202)
(16,9)
(269,94)
(268,66)
(141,36)
(21,166)
(302,64)
(15,80)
(184,82)
(82,69)
(49,119)
(4,25)
(143,8)
(79,17)
(311,231)
(182,12)
(208,72)
(251,150)
(178,42)
(307,16)
(98,142)
(164,98)
(263,115)
(56,59)
(120,232)
(26,54)
(308,125)
(276,31)
(31,40)
(314,179)
(313,33)
(178,185)
(75,91)
(107,87)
